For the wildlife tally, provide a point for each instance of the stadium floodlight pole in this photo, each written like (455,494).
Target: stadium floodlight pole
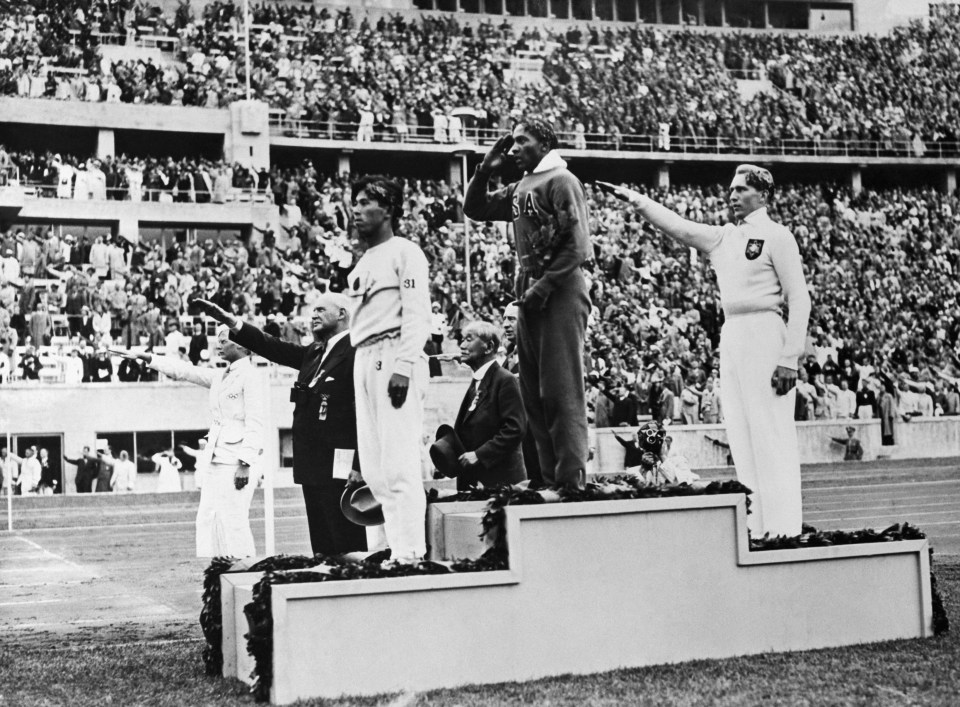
(269,531)
(463,150)
(8,482)
(246,44)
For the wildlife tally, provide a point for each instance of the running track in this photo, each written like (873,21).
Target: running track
(87,564)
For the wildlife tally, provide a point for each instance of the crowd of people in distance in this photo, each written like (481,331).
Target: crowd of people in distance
(123,178)
(38,473)
(882,268)
(386,77)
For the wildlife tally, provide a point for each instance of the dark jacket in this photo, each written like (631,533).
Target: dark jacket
(86,472)
(314,440)
(494,430)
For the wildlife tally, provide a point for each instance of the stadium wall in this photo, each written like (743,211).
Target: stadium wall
(243,127)
(81,413)
(870,16)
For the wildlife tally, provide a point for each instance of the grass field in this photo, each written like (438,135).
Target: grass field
(161,666)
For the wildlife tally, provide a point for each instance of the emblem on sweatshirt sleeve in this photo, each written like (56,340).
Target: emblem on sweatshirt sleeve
(754,248)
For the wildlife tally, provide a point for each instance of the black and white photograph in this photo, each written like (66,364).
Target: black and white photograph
(473,353)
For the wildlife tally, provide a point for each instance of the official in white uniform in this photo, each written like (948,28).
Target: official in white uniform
(234,445)
(758,268)
(391,317)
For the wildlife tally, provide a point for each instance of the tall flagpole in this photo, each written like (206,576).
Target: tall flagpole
(269,468)
(8,482)
(466,225)
(246,44)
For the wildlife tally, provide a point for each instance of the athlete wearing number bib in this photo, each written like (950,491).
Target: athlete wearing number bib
(391,317)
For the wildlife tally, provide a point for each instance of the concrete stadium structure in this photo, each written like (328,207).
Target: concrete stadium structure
(68,417)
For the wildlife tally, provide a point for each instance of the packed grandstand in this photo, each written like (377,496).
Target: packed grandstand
(881,264)
(624,88)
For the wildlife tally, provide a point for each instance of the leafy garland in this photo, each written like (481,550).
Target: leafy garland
(211,620)
(334,568)
(330,569)
(811,537)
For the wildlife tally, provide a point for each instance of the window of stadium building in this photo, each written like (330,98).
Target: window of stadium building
(538,8)
(626,10)
(647,11)
(142,446)
(670,12)
(783,14)
(744,13)
(788,15)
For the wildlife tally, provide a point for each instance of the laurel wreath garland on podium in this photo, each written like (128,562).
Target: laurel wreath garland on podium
(334,568)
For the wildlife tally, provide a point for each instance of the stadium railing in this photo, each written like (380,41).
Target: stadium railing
(902,147)
(42,190)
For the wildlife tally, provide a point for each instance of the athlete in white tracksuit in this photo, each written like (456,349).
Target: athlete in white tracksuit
(391,322)
(758,268)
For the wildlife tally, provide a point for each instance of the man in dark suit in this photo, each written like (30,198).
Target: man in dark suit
(491,422)
(324,420)
(86,470)
(85,326)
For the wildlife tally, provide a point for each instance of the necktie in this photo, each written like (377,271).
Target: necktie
(472,394)
(313,379)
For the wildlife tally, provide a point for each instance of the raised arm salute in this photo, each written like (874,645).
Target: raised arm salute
(234,445)
(548,208)
(758,269)
(324,419)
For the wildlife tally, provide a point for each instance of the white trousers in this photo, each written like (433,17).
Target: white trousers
(388,441)
(760,426)
(223,518)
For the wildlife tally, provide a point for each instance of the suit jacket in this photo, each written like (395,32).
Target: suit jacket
(494,429)
(315,441)
(237,400)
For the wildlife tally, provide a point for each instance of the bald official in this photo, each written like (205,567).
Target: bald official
(324,420)
(758,269)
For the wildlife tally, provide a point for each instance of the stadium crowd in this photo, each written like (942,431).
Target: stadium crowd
(130,178)
(882,268)
(389,78)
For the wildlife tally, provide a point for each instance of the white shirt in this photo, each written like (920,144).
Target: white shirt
(124,473)
(757,263)
(331,342)
(389,292)
(482,371)
(30,471)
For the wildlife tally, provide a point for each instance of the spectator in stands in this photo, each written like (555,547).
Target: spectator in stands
(198,343)
(41,325)
(30,364)
(101,367)
(73,368)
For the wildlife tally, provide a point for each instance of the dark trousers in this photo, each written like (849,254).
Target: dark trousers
(550,352)
(531,460)
(330,532)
